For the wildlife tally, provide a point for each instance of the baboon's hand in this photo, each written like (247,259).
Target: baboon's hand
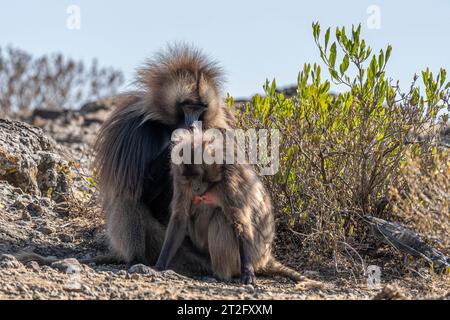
(248,277)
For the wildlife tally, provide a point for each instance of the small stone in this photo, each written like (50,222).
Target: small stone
(35,209)
(135,276)
(121,273)
(17,190)
(34,265)
(46,202)
(46,269)
(73,287)
(66,238)
(70,265)
(390,292)
(45,230)
(206,279)
(249,287)
(25,216)
(9,261)
(141,269)
(20,204)
(86,289)
(170,274)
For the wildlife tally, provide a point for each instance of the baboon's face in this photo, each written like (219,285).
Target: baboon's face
(189,99)
(200,177)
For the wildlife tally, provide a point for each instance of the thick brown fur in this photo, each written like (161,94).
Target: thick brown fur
(132,168)
(236,230)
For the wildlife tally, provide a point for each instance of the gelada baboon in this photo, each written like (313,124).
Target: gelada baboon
(177,88)
(225,210)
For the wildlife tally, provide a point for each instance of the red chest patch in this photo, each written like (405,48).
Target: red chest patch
(207,198)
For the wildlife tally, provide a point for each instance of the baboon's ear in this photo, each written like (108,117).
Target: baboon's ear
(203,84)
(207,87)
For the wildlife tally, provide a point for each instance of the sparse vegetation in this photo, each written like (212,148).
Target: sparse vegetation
(422,201)
(51,81)
(342,154)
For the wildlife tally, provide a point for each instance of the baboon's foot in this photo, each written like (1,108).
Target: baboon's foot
(248,276)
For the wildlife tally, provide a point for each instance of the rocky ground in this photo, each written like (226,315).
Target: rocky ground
(48,205)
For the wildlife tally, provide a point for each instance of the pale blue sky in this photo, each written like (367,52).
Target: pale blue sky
(253,40)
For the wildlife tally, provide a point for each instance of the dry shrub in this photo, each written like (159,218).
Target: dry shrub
(51,81)
(341,154)
(423,200)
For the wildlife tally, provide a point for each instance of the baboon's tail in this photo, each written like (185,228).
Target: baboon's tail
(25,257)
(276,268)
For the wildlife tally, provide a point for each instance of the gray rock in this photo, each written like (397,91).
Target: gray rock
(25,216)
(30,161)
(45,230)
(20,204)
(34,265)
(70,265)
(66,238)
(35,209)
(9,261)
(135,276)
(46,202)
(19,144)
(141,269)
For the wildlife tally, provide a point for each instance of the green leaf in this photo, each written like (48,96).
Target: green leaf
(443,75)
(332,58)
(381,60)
(368,52)
(355,37)
(91,181)
(333,73)
(373,65)
(273,88)
(327,38)
(325,87)
(344,65)
(338,34)
(316,30)
(343,36)
(388,54)
(425,76)
(434,151)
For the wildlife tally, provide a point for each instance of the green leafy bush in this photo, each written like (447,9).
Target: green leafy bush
(341,154)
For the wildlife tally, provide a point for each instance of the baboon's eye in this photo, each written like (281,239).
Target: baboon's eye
(190,174)
(192,113)
(192,103)
(189,171)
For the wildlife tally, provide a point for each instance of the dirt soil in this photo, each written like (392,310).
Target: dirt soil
(79,237)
